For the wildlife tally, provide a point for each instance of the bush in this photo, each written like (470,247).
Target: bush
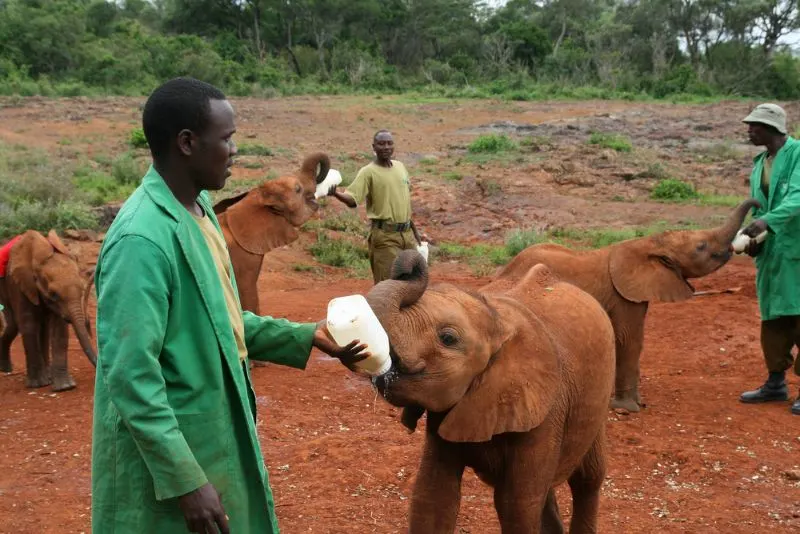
(672,190)
(492,144)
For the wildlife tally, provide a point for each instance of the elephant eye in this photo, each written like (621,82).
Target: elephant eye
(702,246)
(448,337)
(297,188)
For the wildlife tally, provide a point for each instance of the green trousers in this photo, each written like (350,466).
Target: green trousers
(384,246)
(778,337)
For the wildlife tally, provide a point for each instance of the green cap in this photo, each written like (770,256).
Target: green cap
(769,114)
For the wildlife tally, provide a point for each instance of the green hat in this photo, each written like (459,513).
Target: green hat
(769,114)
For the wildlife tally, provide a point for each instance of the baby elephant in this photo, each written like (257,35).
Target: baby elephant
(516,385)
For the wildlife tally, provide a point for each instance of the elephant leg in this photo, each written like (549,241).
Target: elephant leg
(247,280)
(585,484)
(437,490)
(59,337)
(521,495)
(551,515)
(629,331)
(31,324)
(44,342)
(5,343)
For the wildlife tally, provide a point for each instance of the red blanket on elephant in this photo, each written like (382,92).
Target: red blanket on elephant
(5,252)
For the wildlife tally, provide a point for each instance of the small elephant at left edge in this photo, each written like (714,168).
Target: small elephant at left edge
(43,291)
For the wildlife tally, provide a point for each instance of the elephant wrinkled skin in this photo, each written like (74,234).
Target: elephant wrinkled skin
(265,218)
(515,384)
(626,276)
(44,292)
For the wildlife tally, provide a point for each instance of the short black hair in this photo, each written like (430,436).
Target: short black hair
(374,137)
(181,103)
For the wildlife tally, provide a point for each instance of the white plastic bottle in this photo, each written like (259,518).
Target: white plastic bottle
(350,318)
(422,248)
(741,240)
(333,177)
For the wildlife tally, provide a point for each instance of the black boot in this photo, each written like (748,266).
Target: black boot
(796,406)
(774,389)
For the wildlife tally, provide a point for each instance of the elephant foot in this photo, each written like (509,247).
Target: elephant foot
(38,382)
(6,367)
(64,384)
(625,403)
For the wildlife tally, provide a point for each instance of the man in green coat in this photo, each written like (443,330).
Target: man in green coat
(174,444)
(775,182)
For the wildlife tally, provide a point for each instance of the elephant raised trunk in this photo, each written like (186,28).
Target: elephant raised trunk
(77,316)
(727,231)
(409,281)
(310,164)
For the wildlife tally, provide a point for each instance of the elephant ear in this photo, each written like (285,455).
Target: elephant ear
(26,256)
(519,385)
(56,243)
(224,204)
(642,275)
(257,222)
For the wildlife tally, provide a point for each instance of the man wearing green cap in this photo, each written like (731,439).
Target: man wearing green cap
(775,182)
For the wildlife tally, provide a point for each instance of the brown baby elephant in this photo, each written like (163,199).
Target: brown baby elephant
(515,383)
(44,292)
(627,276)
(265,218)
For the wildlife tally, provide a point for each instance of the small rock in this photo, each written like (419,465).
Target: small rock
(792,474)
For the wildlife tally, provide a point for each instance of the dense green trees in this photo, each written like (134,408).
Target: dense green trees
(520,50)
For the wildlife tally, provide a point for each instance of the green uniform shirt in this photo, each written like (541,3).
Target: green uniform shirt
(778,263)
(174,405)
(386,190)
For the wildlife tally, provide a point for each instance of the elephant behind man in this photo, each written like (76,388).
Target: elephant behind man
(44,291)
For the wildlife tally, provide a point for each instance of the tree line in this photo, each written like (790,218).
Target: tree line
(523,49)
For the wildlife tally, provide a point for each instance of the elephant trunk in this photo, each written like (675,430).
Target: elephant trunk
(727,231)
(85,301)
(408,282)
(310,164)
(77,317)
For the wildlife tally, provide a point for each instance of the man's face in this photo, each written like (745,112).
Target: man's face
(383,145)
(212,156)
(758,134)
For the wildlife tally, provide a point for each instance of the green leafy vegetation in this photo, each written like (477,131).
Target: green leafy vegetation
(450,48)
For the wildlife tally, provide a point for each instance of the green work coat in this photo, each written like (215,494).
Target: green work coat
(174,407)
(778,263)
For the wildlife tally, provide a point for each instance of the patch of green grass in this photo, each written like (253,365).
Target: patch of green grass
(136,138)
(483,259)
(729,201)
(721,151)
(656,171)
(429,160)
(452,176)
(492,144)
(672,190)
(518,240)
(617,142)
(253,149)
(36,194)
(341,253)
(252,165)
(303,268)
(344,221)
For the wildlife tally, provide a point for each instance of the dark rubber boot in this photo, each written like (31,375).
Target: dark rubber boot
(796,406)
(773,390)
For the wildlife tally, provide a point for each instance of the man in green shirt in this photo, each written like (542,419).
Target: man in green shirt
(775,182)
(384,185)
(174,441)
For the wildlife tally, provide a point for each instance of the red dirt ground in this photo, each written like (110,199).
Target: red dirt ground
(695,460)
